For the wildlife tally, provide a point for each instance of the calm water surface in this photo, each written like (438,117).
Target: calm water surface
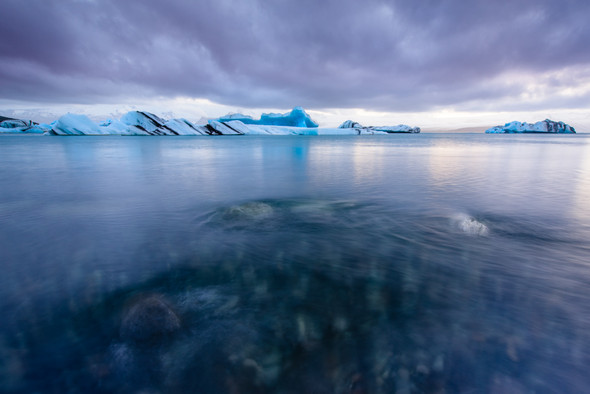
(429,263)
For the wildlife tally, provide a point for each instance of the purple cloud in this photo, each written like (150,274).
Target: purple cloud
(384,55)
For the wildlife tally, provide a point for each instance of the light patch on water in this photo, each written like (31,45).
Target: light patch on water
(469,225)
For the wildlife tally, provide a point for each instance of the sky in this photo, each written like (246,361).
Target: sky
(427,63)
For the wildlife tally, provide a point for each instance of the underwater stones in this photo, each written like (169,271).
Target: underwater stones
(249,210)
(148,321)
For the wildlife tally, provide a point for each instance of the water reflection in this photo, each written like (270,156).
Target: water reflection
(419,264)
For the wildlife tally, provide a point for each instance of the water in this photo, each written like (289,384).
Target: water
(401,263)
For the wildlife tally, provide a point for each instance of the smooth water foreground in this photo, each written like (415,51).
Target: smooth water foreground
(385,264)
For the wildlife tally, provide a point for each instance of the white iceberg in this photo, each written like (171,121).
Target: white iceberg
(154,125)
(184,127)
(132,123)
(544,126)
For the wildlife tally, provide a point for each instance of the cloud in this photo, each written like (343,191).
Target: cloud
(382,55)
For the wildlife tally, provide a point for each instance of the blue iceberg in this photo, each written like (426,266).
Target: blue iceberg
(18,126)
(296,118)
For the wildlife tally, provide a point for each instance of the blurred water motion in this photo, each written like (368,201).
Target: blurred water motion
(410,264)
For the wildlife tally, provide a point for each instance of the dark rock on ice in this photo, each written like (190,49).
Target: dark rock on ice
(224,128)
(349,124)
(17,126)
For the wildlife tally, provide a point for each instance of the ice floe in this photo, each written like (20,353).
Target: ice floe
(469,225)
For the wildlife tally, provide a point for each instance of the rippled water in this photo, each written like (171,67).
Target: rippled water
(379,264)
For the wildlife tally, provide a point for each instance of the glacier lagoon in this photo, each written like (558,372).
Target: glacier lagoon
(328,264)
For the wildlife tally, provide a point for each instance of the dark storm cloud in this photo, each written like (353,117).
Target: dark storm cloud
(388,55)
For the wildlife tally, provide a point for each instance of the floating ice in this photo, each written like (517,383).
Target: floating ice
(402,128)
(17,126)
(184,127)
(469,225)
(545,126)
(296,118)
(72,124)
(296,122)
(154,125)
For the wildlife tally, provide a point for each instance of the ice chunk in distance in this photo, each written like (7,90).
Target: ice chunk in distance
(544,126)
(401,128)
(349,124)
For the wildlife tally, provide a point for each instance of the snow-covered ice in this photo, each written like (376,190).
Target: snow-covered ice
(73,124)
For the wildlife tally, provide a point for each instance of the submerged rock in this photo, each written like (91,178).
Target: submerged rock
(148,321)
(545,126)
(250,210)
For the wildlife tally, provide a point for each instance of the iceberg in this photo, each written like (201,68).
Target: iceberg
(401,128)
(544,126)
(130,124)
(235,127)
(141,123)
(154,125)
(72,124)
(296,118)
